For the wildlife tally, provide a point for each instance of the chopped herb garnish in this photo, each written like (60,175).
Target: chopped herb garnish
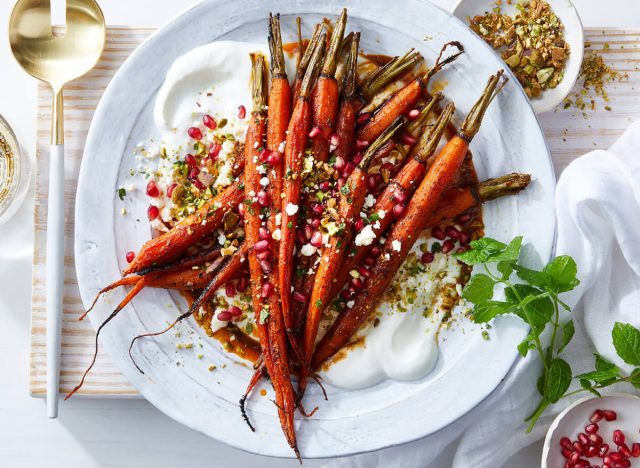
(121,193)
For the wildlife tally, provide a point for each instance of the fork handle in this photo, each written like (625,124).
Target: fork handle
(55,274)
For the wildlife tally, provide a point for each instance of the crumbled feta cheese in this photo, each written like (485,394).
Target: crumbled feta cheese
(278,219)
(396,245)
(255,145)
(376,225)
(381,214)
(277,234)
(221,237)
(308,250)
(366,236)
(369,201)
(281,146)
(350,304)
(291,209)
(264,181)
(261,169)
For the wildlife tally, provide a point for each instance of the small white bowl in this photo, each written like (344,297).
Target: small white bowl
(575,417)
(573,32)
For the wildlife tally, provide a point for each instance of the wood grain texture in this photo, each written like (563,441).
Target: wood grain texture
(569,132)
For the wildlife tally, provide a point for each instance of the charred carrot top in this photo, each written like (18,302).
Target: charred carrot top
(297,136)
(346,121)
(391,203)
(352,196)
(407,229)
(326,95)
(395,68)
(406,98)
(305,59)
(189,231)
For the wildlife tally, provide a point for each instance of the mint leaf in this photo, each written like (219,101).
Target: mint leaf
(479,289)
(561,274)
(568,329)
(486,311)
(634,378)
(536,278)
(511,252)
(527,344)
(506,268)
(482,250)
(602,363)
(599,376)
(536,311)
(557,380)
(588,386)
(626,340)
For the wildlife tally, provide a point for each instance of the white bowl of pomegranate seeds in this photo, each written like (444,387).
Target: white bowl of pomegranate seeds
(595,432)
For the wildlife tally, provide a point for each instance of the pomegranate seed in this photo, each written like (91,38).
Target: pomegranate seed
(596,416)
(408,139)
(609,415)
(357,159)
(267,289)
(130,256)
(362,118)
(170,189)
(230,289)
(273,158)
(398,211)
(261,245)
(315,131)
(264,255)
(464,238)
(438,233)
(199,185)
(362,144)
(447,246)
(308,232)
(266,266)
(235,311)
(635,449)
(299,297)
(264,155)
(316,239)
(339,163)
(334,140)
(452,232)
(317,208)
(465,218)
(357,283)
(208,122)
(152,189)
(591,451)
(348,169)
(241,209)
(376,250)
(195,133)
(224,316)
(300,237)
(324,185)
(263,233)
(315,223)
(388,166)
(399,196)
(214,151)
(369,261)
(242,284)
(373,181)
(595,439)
(364,272)
(618,436)
(191,160)
(359,225)
(193,173)
(616,457)
(152,212)
(624,450)
(576,454)
(566,453)
(242,112)
(428,257)
(346,294)
(263,198)
(413,114)
(584,440)
(607,460)
(603,450)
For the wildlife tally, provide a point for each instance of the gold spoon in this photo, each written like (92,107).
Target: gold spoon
(56,60)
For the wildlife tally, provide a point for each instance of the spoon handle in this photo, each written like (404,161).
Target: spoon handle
(55,274)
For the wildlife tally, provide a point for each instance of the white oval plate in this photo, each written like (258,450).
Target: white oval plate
(574,35)
(350,422)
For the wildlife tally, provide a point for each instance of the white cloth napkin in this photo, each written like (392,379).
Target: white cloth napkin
(598,210)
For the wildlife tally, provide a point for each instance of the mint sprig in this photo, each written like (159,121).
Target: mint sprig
(534,296)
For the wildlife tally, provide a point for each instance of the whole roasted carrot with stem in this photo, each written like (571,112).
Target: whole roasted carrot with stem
(297,138)
(349,103)
(326,95)
(189,231)
(390,204)
(352,196)
(406,98)
(407,229)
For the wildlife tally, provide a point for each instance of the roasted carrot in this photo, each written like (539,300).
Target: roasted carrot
(406,98)
(352,196)
(407,229)
(397,192)
(297,137)
(346,122)
(188,231)
(258,374)
(326,95)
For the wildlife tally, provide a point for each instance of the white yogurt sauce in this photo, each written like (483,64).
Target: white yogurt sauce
(214,79)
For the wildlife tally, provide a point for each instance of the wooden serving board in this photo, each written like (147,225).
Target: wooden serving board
(569,134)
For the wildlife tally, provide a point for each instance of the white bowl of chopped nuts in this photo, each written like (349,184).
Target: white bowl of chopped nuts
(542,42)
